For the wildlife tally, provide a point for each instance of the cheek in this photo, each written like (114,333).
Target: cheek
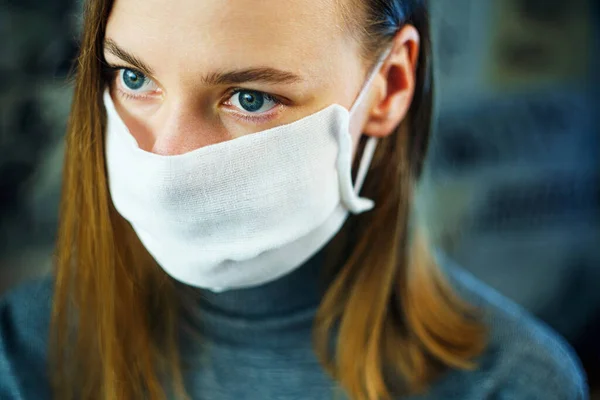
(140,131)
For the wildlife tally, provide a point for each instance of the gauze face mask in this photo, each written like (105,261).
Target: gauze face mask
(242,212)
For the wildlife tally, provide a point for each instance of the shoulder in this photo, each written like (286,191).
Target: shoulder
(24,327)
(525,359)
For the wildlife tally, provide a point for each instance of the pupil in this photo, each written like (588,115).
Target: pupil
(251,101)
(132,79)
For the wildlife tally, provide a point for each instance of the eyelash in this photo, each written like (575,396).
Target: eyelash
(110,73)
(255,117)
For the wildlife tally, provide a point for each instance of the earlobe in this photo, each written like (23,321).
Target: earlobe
(395,88)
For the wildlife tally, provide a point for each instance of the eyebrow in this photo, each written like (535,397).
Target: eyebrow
(256,74)
(113,48)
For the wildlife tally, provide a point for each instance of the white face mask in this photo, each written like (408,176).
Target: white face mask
(243,212)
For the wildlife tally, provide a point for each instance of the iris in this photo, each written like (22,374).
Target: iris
(251,100)
(132,79)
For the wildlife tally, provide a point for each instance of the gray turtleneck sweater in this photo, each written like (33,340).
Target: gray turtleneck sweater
(257,346)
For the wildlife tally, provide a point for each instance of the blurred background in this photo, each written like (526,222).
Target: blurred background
(512,185)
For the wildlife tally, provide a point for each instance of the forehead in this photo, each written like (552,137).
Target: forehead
(226,33)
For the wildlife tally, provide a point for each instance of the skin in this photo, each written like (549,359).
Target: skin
(183,42)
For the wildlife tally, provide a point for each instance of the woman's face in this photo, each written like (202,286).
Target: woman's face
(190,73)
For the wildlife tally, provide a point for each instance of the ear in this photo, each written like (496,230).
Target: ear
(393,88)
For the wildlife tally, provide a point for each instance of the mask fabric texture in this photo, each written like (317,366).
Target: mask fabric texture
(242,212)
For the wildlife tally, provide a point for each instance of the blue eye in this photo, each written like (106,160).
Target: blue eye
(133,80)
(253,101)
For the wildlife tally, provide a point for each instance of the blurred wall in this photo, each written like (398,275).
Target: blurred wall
(512,187)
(37,45)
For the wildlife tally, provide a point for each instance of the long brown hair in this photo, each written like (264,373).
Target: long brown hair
(396,320)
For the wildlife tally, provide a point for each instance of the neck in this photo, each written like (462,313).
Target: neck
(273,314)
(293,292)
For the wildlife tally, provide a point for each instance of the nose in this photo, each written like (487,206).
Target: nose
(184,126)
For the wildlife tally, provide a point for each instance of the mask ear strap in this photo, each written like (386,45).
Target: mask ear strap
(367,84)
(365,163)
(350,198)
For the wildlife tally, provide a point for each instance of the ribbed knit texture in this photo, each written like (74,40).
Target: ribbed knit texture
(257,346)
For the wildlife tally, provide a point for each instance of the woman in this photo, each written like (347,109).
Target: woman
(212,231)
